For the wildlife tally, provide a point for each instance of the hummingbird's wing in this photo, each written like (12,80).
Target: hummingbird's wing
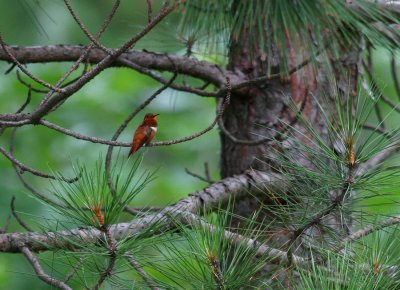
(147,137)
(143,136)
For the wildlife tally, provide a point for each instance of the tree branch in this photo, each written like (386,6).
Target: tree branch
(39,270)
(146,278)
(16,216)
(211,196)
(370,229)
(43,109)
(159,61)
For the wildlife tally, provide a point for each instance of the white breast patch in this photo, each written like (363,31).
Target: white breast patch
(154,129)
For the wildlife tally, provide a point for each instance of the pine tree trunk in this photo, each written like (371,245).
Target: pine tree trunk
(256,112)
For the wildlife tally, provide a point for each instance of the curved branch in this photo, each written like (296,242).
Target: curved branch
(221,110)
(23,167)
(369,230)
(39,270)
(112,142)
(159,61)
(14,60)
(146,278)
(16,216)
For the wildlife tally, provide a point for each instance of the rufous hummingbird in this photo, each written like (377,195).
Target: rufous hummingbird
(144,133)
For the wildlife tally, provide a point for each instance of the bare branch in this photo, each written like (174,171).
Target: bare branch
(12,58)
(84,53)
(81,136)
(73,271)
(27,185)
(376,129)
(23,167)
(39,270)
(6,225)
(112,142)
(368,66)
(146,278)
(205,179)
(144,59)
(375,84)
(378,158)
(394,74)
(221,109)
(14,213)
(369,230)
(241,141)
(149,9)
(86,31)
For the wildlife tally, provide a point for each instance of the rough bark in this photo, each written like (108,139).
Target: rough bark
(257,113)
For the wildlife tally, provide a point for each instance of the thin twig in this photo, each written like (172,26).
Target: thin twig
(22,67)
(375,84)
(278,135)
(368,230)
(205,179)
(6,225)
(39,270)
(27,101)
(86,31)
(207,172)
(149,10)
(393,67)
(146,278)
(112,251)
(27,185)
(235,140)
(159,78)
(378,158)
(85,52)
(368,67)
(376,129)
(223,104)
(112,142)
(23,167)
(19,220)
(73,271)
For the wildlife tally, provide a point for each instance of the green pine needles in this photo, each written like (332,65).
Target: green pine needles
(327,200)
(90,202)
(206,255)
(270,26)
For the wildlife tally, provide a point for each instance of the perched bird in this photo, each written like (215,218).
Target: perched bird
(144,133)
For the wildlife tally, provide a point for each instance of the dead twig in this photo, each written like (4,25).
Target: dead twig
(39,270)
(19,220)
(146,278)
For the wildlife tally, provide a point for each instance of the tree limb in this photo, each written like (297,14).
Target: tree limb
(211,196)
(39,270)
(159,61)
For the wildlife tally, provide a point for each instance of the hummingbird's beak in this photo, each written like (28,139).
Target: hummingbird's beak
(156,115)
